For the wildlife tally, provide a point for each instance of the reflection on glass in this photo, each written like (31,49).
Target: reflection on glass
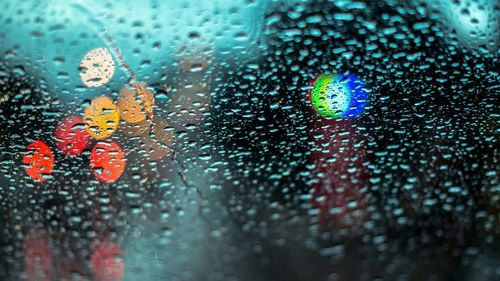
(38,257)
(340,190)
(72,269)
(106,262)
(51,257)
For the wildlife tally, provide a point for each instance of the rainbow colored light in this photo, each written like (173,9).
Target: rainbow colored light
(338,96)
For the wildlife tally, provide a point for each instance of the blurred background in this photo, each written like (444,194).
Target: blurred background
(249,140)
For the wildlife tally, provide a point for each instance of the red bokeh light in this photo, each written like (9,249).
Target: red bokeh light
(107,161)
(71,136)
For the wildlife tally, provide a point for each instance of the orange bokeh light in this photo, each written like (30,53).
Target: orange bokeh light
(136,103)
(39,160)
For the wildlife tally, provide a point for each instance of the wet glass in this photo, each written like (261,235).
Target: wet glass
(249,140)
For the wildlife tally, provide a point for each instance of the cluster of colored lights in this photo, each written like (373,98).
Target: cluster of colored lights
(338,96)
(100,120)
(333,96)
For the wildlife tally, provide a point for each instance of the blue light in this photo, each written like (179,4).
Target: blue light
(358,93)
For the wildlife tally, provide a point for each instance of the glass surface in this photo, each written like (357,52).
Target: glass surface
(249,140)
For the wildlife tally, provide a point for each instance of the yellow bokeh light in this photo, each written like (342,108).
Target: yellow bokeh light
(101,118)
